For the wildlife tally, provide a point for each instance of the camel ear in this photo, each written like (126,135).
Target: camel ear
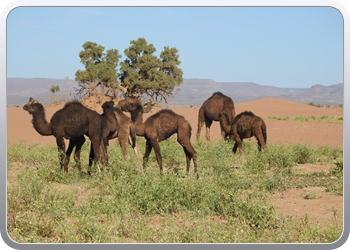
(32,100)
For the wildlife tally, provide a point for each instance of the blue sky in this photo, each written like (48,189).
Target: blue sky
(275,46)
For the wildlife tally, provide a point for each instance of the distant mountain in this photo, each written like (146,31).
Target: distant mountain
(192,91)
(196,91)
(19,90)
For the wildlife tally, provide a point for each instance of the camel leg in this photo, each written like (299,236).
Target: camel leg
(238,144)
(71,145)
(200,123)
(135,147)
(223,133)
(136,150)
(133,141)
(261,142)
(61,149)
(189,151)
(96,144)
(208,123)
(103,155)
(79,143)
(103,150)
(240,147)
(91,155)
(91,158)
(147,153)
(190,154)
(123,142)
(156,147)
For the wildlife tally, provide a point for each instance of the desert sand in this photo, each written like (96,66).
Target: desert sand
(19,126)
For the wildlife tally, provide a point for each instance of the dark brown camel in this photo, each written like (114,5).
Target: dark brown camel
(244,125)
(109,124)
(72,122)
(210,111)
(159,127)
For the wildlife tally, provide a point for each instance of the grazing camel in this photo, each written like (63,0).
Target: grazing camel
(159,127)
(210,111)
(72,122)
(244,125)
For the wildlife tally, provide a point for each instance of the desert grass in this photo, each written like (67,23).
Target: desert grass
(230,201)
(323,119)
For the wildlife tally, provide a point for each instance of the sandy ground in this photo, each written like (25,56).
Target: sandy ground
(291,203)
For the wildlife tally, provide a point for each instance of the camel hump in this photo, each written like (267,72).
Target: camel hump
(246,113)
(74,103)
(218,93)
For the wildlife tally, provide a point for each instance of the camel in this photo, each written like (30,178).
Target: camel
(210,111)
(244,125)
(119,125)
(159,127)
(72,122)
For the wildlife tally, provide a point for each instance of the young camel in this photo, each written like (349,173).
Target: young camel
(118,125)
(245,125)
(72,122)
(159,127)
(210,111)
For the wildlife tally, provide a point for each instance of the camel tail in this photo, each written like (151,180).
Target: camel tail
(263,129)
(189,130)
(103,124)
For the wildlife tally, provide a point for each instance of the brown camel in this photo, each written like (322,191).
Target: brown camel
(210,111)
(121,127)
(244,125)
(109,124)
(71,122)
(159,127)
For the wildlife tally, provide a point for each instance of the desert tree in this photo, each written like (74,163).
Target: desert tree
(100,74)
(143,73)
(54,89)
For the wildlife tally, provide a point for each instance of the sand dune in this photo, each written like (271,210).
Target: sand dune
(20,128)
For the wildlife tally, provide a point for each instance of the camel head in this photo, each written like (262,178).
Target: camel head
(129,104)
(147,106)
(109,104)
(32,106)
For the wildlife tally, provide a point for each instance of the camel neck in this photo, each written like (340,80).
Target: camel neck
(136,118)
(40,124)
(225,123)
(110,116)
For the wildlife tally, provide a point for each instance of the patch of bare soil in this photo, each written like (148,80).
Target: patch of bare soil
(314,202)
(322,206)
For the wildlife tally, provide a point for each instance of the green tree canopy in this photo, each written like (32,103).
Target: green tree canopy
(100,74)
(143,73)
